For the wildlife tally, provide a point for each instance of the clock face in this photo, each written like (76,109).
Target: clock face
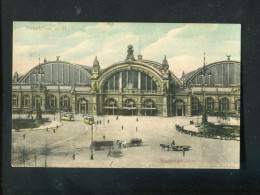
(130,85)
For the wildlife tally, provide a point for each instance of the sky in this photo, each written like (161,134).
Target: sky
(183,44)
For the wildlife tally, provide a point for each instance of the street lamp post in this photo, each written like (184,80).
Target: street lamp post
(92,155)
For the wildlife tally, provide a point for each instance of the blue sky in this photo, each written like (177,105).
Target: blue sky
(183,44)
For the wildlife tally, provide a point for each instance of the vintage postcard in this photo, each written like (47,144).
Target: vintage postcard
(126,95)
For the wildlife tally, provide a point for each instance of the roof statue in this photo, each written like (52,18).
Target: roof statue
(165,64)
(130,53)
(228,57)
(96,62)
(58,58)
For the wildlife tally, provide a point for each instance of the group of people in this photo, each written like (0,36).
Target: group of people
(182,130)
(54,130)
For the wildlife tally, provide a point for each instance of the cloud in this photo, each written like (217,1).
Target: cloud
(184,44)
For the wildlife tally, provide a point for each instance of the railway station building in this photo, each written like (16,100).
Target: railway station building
(133,86)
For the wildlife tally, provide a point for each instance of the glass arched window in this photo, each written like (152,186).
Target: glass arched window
(195,103)
(65,101)
(15,101)
(130,103)
(52,101)
(209,104)
(26,101)
(111,103)
(224,105)
(149,104)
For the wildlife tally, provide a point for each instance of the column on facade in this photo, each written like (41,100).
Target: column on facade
(139,105)
(101,104)
(216,104)
(20,100)
(95,105)
(188,106)
(232,104)
(139,81)
(165,111)
(73,103)
(31,100)
(120,81)
(58,102)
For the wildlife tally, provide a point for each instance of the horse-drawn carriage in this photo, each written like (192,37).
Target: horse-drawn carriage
(174,147)
(133,142)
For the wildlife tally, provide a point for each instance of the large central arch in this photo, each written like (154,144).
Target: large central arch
(152,72)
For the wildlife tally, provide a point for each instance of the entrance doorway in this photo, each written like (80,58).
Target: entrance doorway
(83,106)
(180,108)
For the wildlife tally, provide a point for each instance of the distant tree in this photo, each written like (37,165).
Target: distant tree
(46,151)
(39,114)
(23,156)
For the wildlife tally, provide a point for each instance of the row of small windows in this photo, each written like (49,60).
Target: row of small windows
(112,103)
(37,101)
(197,106)
(130,79)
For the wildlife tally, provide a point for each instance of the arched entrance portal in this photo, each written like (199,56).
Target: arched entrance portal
(83,106)
(149,108)
(180,108)
(111,107)
(129,108)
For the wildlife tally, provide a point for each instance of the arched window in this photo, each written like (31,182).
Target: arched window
(15,101)
(149,103)
(111,102)
(224,105)
(52,101)
(195,106)
(26,101)
(149,108)
(209,104)
(65,101)
(130,103)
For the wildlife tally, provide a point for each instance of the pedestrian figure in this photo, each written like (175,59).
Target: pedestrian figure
(183,152)
(173,143)
(107,121)
(116,117)
(73,156)
(104,137)
(97,122)
(136,129)
(122,127)
(47,130)
(137,119)
(109,154)
(23,136)
(100,122)
(54,130)
(57,126)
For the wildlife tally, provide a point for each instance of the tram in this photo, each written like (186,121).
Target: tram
(67,117)
(89,120)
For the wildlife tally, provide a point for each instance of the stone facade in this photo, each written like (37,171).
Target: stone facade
(130,87)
